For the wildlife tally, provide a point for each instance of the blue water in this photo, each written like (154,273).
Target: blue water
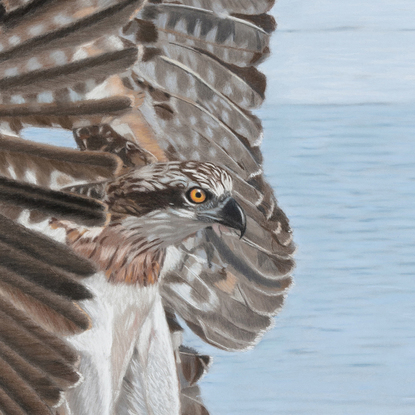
(339,150)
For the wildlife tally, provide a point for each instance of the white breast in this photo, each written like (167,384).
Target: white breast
(130,339)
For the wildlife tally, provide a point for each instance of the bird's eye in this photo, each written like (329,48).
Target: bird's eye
(197,195)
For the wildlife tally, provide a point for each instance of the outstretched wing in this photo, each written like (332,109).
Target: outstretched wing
(179,79)
(40,278)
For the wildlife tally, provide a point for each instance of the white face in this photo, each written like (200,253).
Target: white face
(169,202)
(168,226)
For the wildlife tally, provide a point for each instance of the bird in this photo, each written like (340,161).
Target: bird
(161,216)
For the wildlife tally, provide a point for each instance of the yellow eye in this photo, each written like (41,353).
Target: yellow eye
(197,195)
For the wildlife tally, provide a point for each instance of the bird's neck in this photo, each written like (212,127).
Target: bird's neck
(124,255)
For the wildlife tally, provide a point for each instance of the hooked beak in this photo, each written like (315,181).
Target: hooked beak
(228,213)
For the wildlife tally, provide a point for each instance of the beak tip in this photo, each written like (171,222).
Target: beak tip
(234,217)
(229,214)
(243,223)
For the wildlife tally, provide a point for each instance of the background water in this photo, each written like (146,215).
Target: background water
(339,150)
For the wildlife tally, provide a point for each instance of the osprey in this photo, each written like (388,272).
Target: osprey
(162,211)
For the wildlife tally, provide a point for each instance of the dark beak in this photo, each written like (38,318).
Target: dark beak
(229,214)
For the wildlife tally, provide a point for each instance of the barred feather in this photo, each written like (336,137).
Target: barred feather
(199,124)
(180,81)
(42,25)
(51,202)
(245,87)
(66,83)
(54,55)
(229,6)
(231,39)
(53,167)
(223,298)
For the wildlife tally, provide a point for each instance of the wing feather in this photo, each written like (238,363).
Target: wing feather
(223,297)
(53,167)
(46,25)
(34,270)
(8,406)
(187,85)
(229,38)
(53,54)
(244,87)
(59,204)
(55,312)
(191,402)
(16,331)
(208,135)
(44,386)
(59,347)
(230,6)
(87,71)
(42,248)
(23,394)
(37,280)
(37,306)
(193,365)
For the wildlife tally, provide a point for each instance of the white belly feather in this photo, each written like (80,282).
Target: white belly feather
(126,357)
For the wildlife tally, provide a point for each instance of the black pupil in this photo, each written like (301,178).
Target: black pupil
(198,195)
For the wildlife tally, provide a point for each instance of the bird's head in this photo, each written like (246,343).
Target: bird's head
(171,201)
